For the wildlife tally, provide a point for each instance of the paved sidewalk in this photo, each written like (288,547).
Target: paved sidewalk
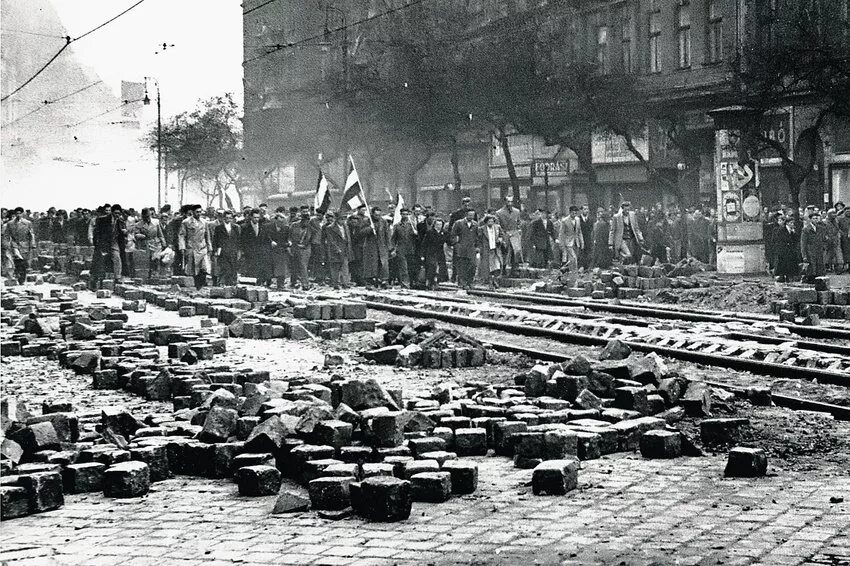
(626,511)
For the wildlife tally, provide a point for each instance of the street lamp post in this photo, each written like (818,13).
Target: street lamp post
(147,101)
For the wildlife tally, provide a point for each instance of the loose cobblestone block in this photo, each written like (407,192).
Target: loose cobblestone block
(464,476)
(413,467)
(555,477)
(14,502)
(156,457)
(186,311)
(382,498)
(589,445)
(471,442)
(399,464)
(256,481)
(697,399)
(377,469)
(120,421)
(219,425)
(502,436)
(746,463)
(45,490)
(535,381)
(629,431)
(331,493)
(83,478)
(721,431)
(36,437)
(615,350)
(268,436)
(426,444)
(588,400)
(127,479)
(440,456)
(251,459)
(333,433)
(660,444)
(632,399)
(431,487)
(446,434)
(558,444)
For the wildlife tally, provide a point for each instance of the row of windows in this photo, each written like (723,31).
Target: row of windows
(713,41)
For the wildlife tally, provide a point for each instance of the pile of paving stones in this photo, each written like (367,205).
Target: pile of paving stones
(813,303)
(424,345)
(623,281)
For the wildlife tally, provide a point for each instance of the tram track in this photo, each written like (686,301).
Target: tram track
(786,361)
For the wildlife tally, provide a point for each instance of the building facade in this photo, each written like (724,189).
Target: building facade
(684,53)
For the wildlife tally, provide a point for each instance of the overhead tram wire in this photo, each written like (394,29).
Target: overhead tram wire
(23,32)
(68,42)
(255,8)
(279,47)
(45,103)
(104,113)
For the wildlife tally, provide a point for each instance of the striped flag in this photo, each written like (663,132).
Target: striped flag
(353,196)
(398,206)
(322,200)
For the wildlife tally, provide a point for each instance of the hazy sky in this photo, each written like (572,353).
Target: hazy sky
(205,60)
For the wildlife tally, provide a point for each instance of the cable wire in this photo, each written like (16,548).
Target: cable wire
(68,41)
(7,30)
(119,107)
(45,103)
(249,10)
(279,47)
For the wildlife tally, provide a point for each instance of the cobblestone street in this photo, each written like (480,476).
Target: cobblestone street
(675,513)
(626,510)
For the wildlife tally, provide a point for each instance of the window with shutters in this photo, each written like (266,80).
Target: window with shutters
(715,32)
(684,33)
(654,36)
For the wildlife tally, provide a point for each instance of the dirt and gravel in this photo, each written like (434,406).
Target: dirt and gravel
(743,296)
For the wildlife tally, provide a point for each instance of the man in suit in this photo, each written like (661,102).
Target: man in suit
(355,223)
(625,238)
(509,219)
(301,237)
(586,223)
(460,214)
(404,244)
(376,245)
(337,248)
(571,240)
(812,245)
(227,239)
(109,237)
(195,243)
(20,240)
(465,249)
(542,232)
(256,248)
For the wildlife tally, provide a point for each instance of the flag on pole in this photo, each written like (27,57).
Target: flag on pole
(322,200)
(353,196)
(398,206)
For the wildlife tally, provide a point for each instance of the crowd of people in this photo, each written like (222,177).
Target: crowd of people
(416,247)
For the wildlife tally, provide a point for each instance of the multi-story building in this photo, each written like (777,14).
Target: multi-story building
(684,53)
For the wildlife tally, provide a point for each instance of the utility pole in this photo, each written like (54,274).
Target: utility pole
(147,101)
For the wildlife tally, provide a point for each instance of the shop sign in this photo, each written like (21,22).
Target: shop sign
(611,148)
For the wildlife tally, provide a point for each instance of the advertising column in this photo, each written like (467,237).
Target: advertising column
(740,239)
